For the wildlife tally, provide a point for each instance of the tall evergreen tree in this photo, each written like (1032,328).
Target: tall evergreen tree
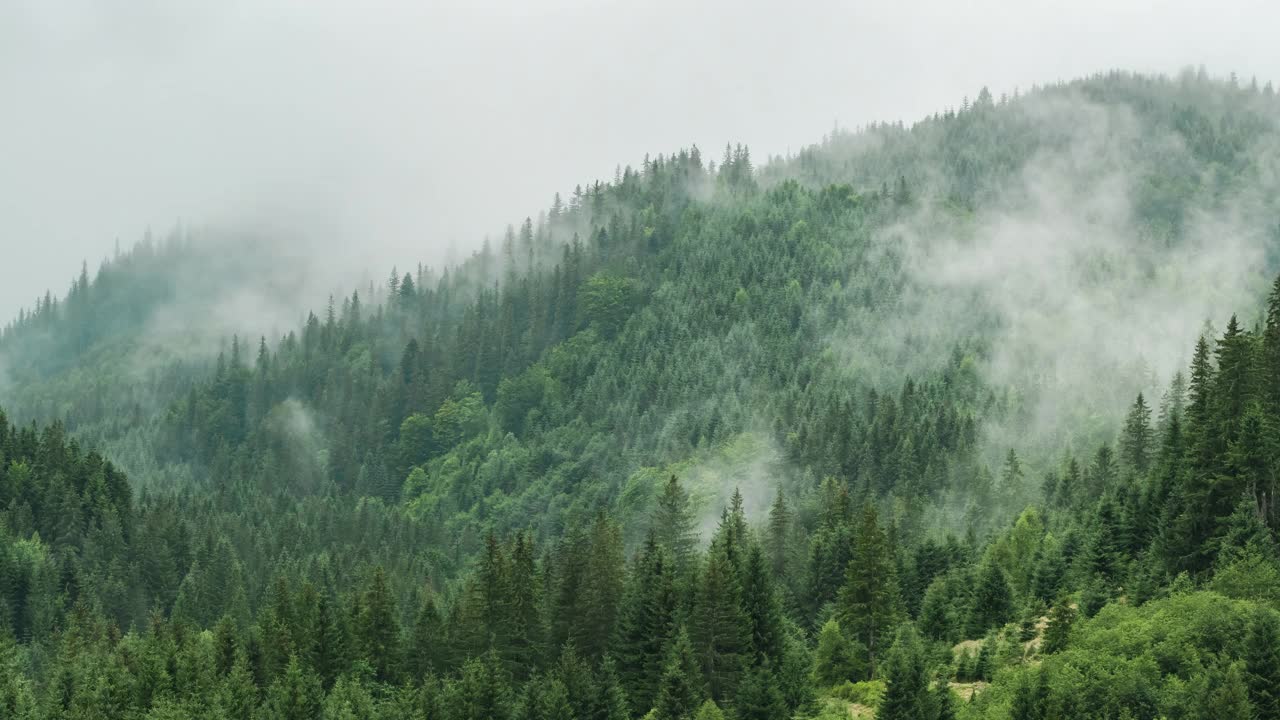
(647,624)
(674,526)
(868,602)
(907,684)
(1136,439)
(378,629)
(719,627)
(780,518)
(681,690)
(1262,665)
(763,613)
(296,695)
(758,696)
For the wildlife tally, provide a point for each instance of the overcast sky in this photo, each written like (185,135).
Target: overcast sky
(389,132)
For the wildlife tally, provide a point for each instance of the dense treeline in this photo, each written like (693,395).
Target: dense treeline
(507,489)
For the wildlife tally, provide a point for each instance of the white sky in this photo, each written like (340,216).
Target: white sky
(388,132)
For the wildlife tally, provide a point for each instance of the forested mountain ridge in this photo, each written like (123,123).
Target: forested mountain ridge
(423,499)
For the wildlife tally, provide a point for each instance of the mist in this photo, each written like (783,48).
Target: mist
(392,133)
(1082,302)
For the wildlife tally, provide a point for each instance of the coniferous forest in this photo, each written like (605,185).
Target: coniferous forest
(722,437)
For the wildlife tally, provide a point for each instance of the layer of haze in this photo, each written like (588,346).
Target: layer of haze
(403,132)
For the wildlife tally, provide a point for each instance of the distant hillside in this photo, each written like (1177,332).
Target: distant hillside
(913,386)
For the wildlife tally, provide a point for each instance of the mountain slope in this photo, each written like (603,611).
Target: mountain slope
(832,352)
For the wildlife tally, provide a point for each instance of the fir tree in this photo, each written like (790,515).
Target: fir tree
(760,604)
(992,600)
(1262,665)
(674,526)
(907,684)
(681,690)
(377,630)
(296,695)
(719,627)
(1136,438)
(1061,617)
(868,600)
(779,532)
(834,660)
(758,697)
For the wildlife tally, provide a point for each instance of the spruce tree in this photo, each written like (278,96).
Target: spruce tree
(1262,664)
(602,586)
(779,533)
(646,626)
(907,683)
(377,629)
(992,600)
(526,634)
(709,711)
(681,690)
(674,526)
(835,661)
(868,602)
(296,694)
(481,692)
(1028,704)
(719,627)
(1061,617)
(425,645)
(1136,438)
(237,694)
(760,604)
(758,697)
(611,699)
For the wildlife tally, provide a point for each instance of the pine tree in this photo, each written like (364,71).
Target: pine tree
(428,635)
(481,692)
(868,600)
(720,628)
(237,695)
(296,695)
(647,624)
(779,532)
(1136,438)
(760,603)
(907,684)
(758,697)
(1028,703)
(611,699)
(602,586)
(1061,617)
(377,629)
(681,690)
(674,525)
(1262,664)
(834,660)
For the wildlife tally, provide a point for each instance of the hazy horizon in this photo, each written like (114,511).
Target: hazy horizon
(406,134)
